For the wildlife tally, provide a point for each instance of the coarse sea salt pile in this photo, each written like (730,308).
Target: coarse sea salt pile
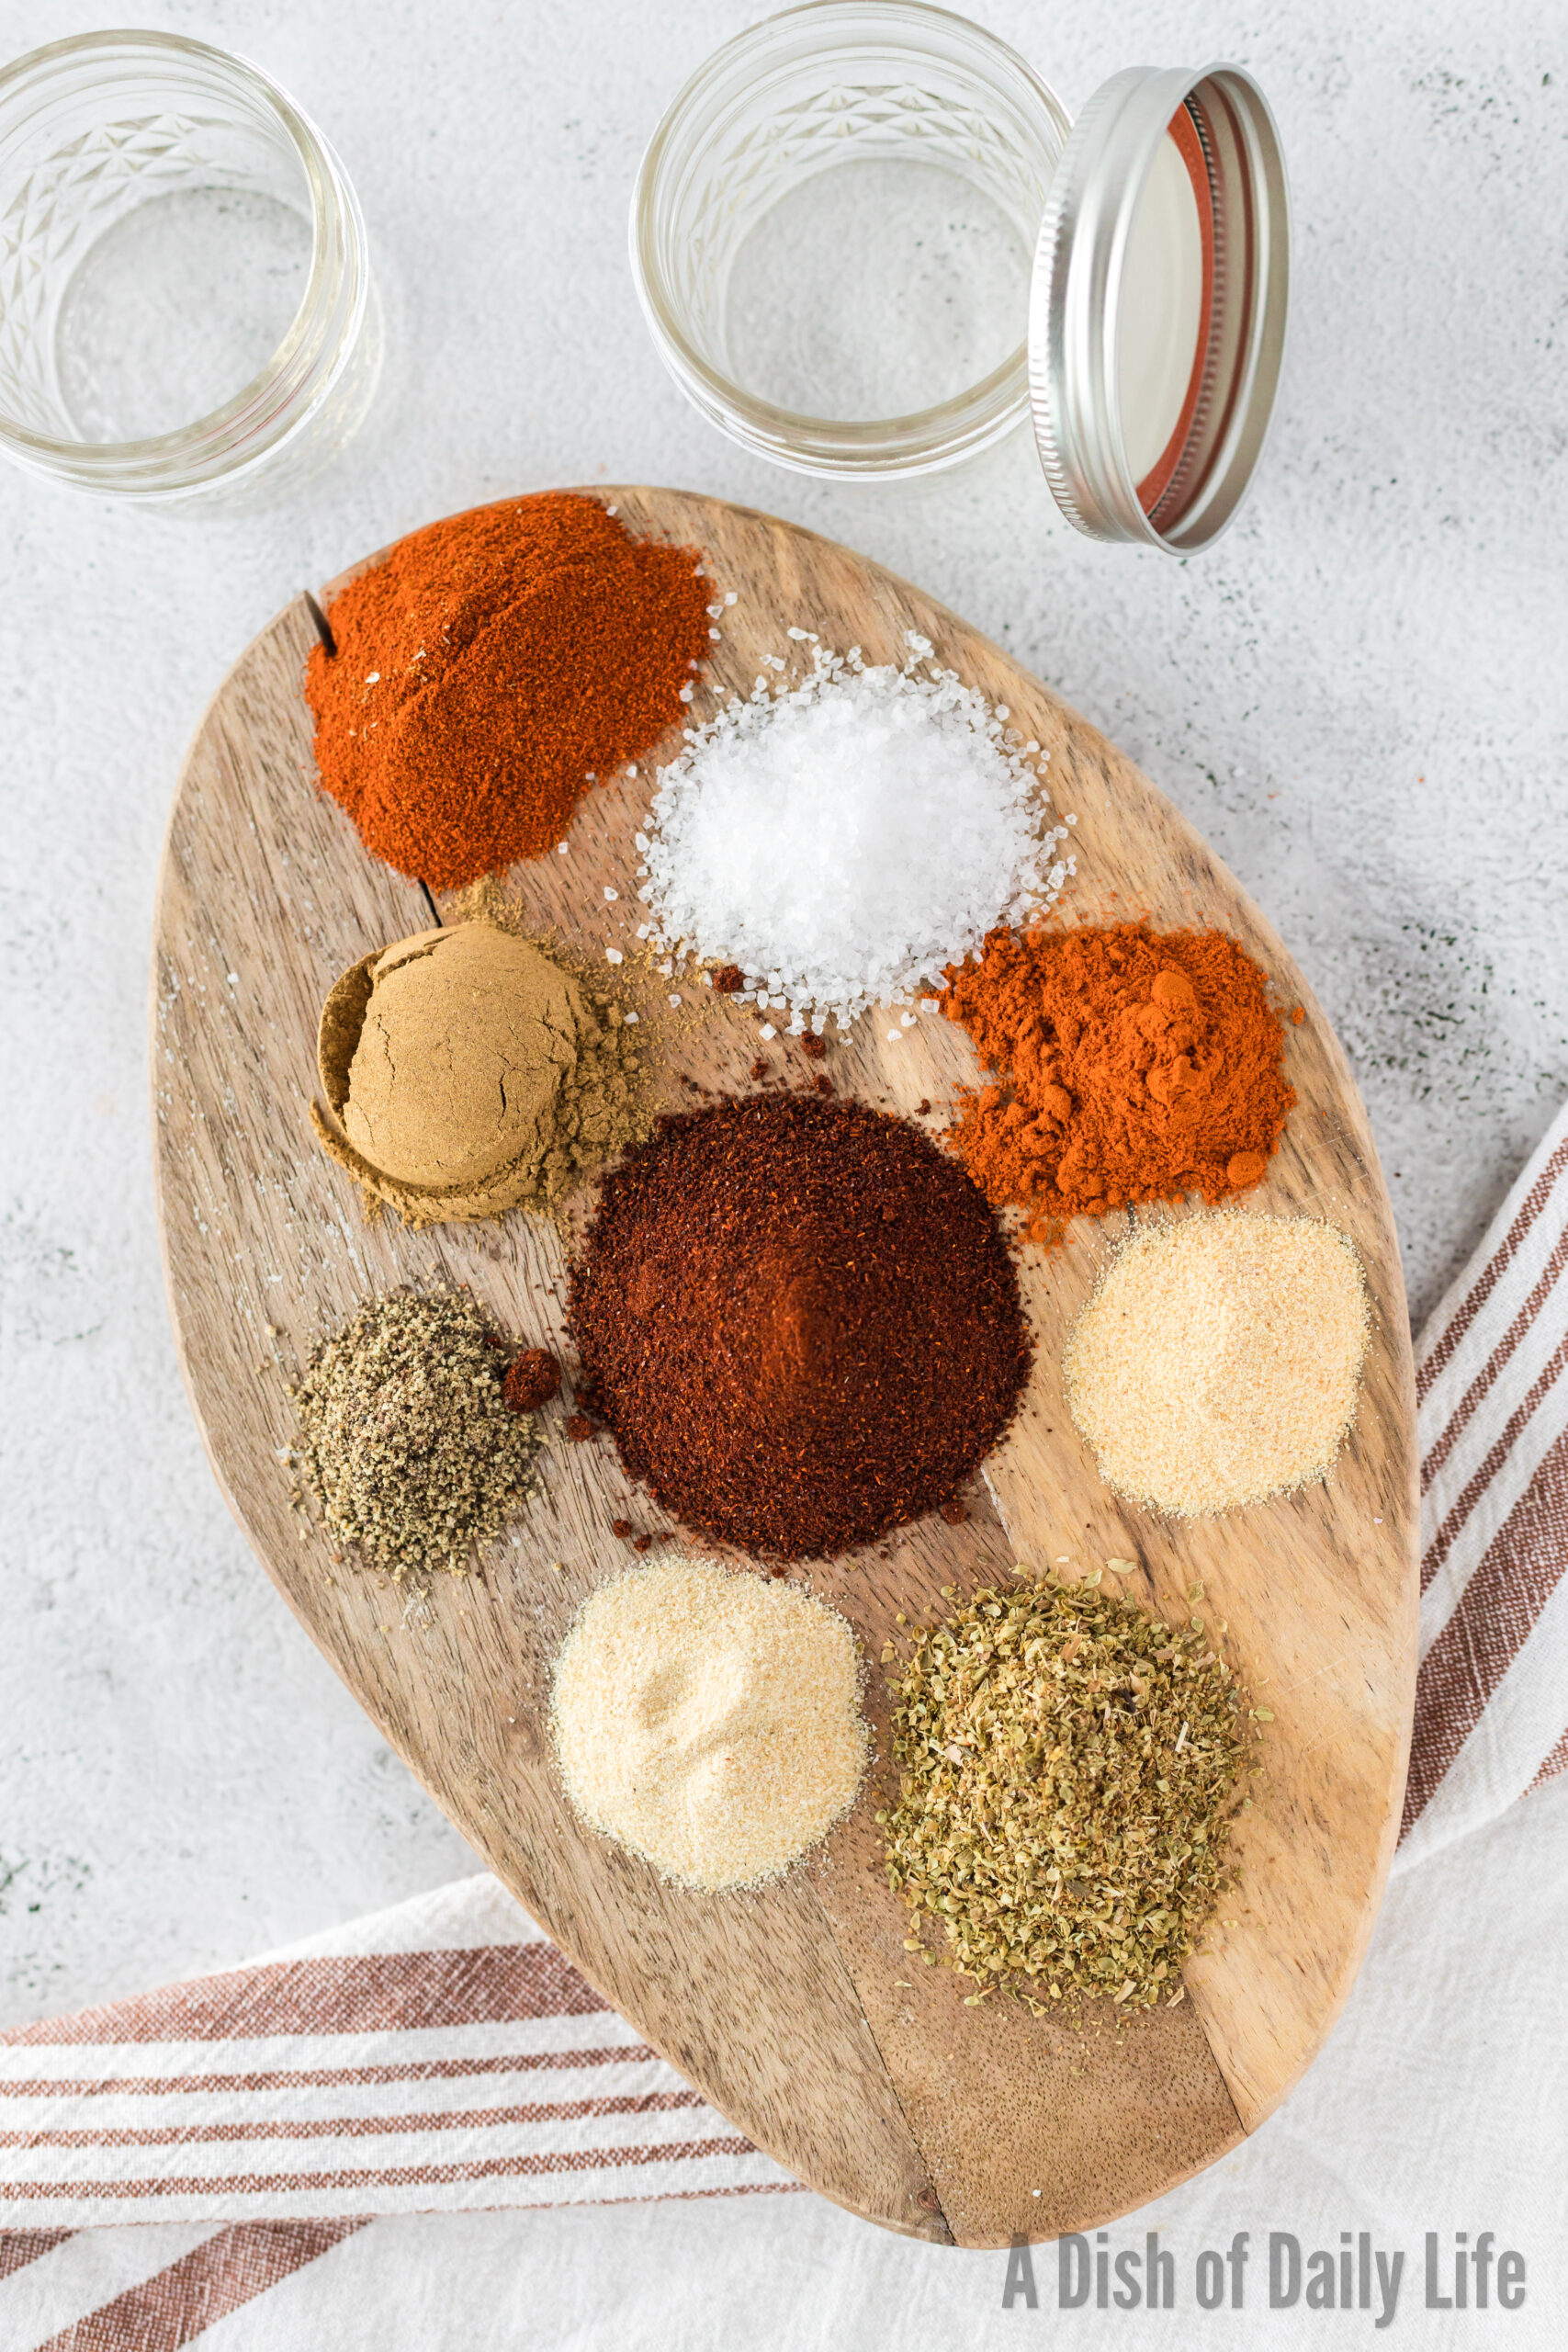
(843,840)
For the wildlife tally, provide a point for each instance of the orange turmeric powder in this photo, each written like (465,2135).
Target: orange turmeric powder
(1133,1066)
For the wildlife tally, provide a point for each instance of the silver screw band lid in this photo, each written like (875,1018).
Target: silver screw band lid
(1157,306)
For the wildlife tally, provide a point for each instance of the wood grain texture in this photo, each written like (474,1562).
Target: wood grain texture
(793,2009)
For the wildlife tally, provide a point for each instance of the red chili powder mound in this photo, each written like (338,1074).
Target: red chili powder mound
(1136,1066)
(800,1320)
(492,666)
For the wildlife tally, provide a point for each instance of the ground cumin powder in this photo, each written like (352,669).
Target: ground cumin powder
(1133,1066)
(467,1074)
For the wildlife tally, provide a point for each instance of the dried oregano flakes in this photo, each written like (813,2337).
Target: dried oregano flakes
(1068,1766)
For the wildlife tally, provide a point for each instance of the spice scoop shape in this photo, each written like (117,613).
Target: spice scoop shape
(793,2006)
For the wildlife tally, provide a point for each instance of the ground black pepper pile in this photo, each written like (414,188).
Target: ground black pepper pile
(406,1434)
(799,1319)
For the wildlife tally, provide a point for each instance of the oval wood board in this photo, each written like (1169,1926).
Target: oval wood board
(792,2007)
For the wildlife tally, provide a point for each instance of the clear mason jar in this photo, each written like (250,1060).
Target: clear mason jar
(159,202)
(794,98)
(1137,262)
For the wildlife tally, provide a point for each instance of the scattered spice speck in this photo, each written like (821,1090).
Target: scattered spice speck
(532,1379)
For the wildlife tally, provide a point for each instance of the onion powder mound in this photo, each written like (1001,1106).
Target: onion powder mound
(844,841)
(709,1720)
(1219,1360)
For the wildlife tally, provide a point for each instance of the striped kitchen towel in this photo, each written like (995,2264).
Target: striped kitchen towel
(1491,1393)
(439,2055)
(442,2055)
(436,2056)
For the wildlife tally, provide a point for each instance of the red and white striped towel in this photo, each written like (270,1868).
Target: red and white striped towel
(442,2055)
(1492,1392)
(436,2056)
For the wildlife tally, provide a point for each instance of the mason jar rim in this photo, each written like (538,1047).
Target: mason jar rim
(925,440)
(194,455)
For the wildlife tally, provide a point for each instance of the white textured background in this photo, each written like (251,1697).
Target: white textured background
(1360,698)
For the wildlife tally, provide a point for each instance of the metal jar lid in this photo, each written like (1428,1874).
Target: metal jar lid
(1156,319)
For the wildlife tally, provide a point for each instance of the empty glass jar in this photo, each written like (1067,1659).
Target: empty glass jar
(869,243)
(185,287)
(832,234)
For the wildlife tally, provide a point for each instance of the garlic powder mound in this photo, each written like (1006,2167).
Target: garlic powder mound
(1219,1360)
(708,1720)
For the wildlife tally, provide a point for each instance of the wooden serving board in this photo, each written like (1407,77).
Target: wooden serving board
(793,2009)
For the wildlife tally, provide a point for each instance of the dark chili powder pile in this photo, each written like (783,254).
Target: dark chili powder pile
(800,1321)
(489,668)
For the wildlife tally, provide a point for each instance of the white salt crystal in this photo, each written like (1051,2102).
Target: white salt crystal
(610,894)
(767,1030)
(848,838)
(613,956)
(674,1000)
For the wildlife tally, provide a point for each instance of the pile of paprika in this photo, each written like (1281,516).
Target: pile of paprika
(800,1320)
(489,669)
(1133,1066)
